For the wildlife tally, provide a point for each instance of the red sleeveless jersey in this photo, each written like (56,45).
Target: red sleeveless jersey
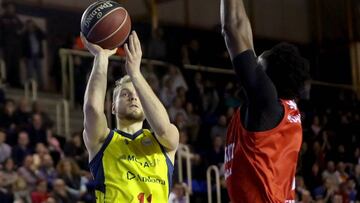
(260,166)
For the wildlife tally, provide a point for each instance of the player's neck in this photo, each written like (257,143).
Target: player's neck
(130,127)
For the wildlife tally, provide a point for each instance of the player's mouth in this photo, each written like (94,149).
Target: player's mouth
(134,105)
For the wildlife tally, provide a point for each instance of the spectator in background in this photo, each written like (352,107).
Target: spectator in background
(22,149)
(10,174)
(210,99)
(193,122)
(37,132)
(6,196)
(32,41)
(181,93)
(11,29)
(167,94)
(177,194)
(176,108)
(196,91)
(157,45)
(40,152)
(54,144)
(191,53)
(76,150)
(47,170)
(30,172)
(40,194)
(331,173)
(215,155)
(5,149)
(326,191)
(2,93)
(21,190)
(37,108)
(8,117)
(60,193)
(219,129)
(69,171)
(316,127)
(176,77)
(22,114)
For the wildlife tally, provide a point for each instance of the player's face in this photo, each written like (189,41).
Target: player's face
(127,104)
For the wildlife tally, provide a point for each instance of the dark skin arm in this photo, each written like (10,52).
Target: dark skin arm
(262,110)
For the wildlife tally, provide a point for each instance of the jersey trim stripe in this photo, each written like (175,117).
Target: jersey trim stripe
(130,136)
(169,163)
(96,165)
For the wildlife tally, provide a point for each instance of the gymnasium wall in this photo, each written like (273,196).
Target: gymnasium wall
(273,19)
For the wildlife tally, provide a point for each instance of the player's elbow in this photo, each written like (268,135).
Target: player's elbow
(170,137)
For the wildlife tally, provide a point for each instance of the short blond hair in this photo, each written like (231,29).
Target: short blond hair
(119,83)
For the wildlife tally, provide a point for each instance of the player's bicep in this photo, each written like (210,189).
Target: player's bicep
(95,127)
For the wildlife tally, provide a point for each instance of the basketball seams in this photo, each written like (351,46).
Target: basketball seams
(112,34)
(89,10)
(93,27)
(121,42)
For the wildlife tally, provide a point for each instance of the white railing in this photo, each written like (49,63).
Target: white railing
(184,153)
(2,70)
(34,88)
(63,117)
(217,183)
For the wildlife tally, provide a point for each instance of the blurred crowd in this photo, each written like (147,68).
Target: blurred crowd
(21,44)
(36,165)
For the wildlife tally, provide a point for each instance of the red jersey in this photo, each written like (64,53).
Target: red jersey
(260,166)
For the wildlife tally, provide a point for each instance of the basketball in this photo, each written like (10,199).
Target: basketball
(106,23)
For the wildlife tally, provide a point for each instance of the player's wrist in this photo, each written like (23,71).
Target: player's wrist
(135,74)
(101,56)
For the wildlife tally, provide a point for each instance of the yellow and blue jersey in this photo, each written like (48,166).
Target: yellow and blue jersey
(132,169)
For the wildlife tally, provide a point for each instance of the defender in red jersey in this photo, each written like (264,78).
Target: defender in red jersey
(264,136)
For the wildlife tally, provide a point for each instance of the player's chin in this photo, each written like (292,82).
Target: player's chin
(137,115)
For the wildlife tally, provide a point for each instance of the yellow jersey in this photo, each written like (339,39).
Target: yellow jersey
(132,169)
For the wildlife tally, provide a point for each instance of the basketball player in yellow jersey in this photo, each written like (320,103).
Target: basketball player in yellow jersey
(129,164)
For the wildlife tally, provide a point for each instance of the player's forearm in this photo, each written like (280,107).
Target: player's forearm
(96,88)
(236,27)
(154,110)
(232,11)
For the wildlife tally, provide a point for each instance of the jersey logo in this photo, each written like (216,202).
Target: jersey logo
(146,141)
(145,179)
(292,104)
(229,155)
(294,118)
(229,152)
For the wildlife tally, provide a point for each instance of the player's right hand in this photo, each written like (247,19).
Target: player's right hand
(96,50)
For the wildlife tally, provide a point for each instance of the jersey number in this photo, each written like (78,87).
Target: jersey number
(141,198)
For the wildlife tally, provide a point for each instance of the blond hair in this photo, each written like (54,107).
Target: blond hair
(119,83)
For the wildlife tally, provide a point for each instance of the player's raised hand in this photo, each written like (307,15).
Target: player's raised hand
(133,55)
(96,50)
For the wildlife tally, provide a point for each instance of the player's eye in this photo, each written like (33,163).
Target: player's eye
(125,94)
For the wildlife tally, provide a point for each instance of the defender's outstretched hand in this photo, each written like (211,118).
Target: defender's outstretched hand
(96,50)
(133,55)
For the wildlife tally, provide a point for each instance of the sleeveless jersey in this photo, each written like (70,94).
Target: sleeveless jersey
(132,169)
(260,166)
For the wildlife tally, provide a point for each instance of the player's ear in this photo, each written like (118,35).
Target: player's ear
(113,108)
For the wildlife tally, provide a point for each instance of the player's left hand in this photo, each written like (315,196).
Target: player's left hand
(133,55)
